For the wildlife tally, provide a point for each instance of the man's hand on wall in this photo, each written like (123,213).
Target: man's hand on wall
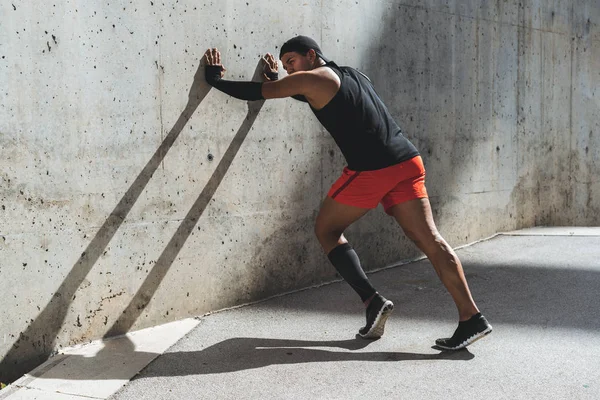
(213,58)
(270,68)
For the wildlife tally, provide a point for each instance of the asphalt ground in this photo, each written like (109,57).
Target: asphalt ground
(540,293)
(539,288)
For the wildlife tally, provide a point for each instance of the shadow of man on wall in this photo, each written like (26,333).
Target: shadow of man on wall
(36,343)
(164,262)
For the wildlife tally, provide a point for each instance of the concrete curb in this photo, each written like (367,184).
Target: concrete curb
(80,371)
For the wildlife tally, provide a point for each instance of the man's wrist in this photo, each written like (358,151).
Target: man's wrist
(272,76)
(212,73)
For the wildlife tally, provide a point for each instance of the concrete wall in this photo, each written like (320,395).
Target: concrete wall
(132,195)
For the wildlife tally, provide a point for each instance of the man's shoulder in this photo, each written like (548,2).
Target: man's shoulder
(354,71)
(325,73)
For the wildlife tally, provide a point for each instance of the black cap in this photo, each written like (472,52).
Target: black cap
(301,44)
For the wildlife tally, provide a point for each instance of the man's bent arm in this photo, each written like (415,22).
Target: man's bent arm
(290,86)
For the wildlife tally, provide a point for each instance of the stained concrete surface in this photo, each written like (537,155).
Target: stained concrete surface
(133,195)
(539,293)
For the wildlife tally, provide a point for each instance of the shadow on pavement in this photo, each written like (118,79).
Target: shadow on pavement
(239,354)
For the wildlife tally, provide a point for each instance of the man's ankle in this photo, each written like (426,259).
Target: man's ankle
(467,316)
(368,301)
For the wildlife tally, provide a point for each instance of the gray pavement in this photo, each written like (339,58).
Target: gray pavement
(538,288)
(539,292)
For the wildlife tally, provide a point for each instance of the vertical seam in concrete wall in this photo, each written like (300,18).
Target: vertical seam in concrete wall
(321,25)
(572,34)
(321,130)
(160,90)
(476,108)
(542,85)
(537,219)
(520,16)
(453,64)
(493,68)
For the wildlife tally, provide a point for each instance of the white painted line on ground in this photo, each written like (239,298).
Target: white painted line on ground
(35,394)
(98,369)
(556,231)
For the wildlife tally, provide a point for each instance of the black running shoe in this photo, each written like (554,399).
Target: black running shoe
(467,332)
(378,312)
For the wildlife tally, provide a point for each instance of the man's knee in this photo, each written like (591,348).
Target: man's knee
(326,233)
(427,240)
(318,231)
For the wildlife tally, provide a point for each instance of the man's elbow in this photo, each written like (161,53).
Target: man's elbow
(271,91)
(282,88)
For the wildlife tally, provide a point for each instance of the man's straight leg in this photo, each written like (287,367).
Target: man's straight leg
(416,219)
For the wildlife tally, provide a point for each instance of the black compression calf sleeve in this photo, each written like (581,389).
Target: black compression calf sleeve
(346,262)
(239,90)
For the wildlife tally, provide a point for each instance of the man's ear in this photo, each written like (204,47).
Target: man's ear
(312,55)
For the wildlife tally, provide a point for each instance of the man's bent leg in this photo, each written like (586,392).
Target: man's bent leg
(346,262)
(333,219)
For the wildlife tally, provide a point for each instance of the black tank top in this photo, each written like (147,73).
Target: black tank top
(361,124)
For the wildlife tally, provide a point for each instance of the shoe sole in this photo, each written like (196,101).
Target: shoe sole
(378,327)
(469,341)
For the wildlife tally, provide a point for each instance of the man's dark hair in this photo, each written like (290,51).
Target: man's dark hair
(301,44)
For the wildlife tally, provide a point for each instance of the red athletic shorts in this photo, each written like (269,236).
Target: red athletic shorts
(388,186)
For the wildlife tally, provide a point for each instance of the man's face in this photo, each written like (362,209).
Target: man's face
(294,62)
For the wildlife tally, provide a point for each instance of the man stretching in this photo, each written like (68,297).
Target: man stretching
(383,167)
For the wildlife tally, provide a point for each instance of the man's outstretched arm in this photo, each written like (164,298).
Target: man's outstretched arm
(237,89)
(291,86)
